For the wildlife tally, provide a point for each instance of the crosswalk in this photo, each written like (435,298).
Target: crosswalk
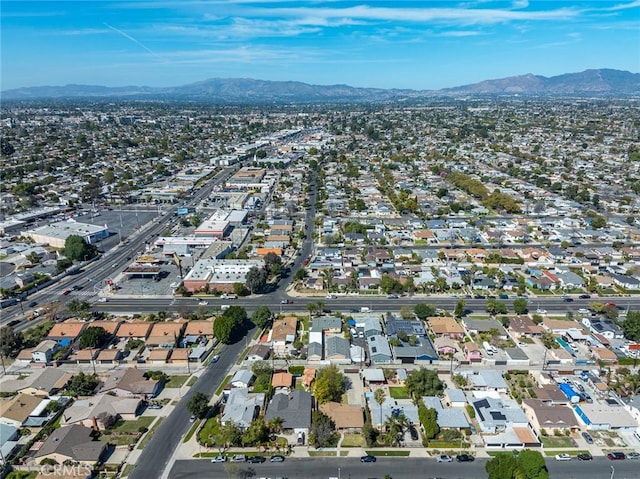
(83,293)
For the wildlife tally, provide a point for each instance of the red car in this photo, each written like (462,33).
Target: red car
(610,304)
(616,456)
(66,292)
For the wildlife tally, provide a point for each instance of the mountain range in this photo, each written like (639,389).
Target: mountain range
(600,82)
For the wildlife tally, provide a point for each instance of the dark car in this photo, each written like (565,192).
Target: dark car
(585,296)
(616,456)
(32,304)
(368,459)
(587,437)
(584,456)
(567,300)
(465,458)
(414,433)
(277,459)
(256,459)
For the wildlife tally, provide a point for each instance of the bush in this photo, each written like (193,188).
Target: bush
(471,411)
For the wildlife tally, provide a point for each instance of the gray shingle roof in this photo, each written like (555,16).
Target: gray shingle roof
(294,409)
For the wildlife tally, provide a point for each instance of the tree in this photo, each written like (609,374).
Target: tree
(300,274)
(631,326)
(224,328)
(92,337)
(78,307)
(198,405)
(423,311)
(272,264)
(195,220)
(520,305)
(329,385)
(458,312)
(11,342)
(424,382)
(256,434)
(261,317)
(502,466)
(496,307)
(228,435)
(380,396)
(256,279)
(323,430)
(549,341)
(531,465)
(83,384)
(429,419)
(77,249)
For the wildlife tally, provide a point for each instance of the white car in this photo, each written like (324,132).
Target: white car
(219,459)
(563,457)
(541,311)
(444,458)
(102,300)
(203,303)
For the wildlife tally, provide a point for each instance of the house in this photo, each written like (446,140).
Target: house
(549,417)
(72,443)
(559,326)
(379,349)
(486,380)
(447,418)
(134,330)
(9,436)
(395,325)
(243,378)
(445,346)
(328,324)
(241,407)
(370,325)
(131,382)
(523,326)
(337,348)
(315,351)
(110,326)
(42,383)
(44,351)
(110,356)
(166,334)
(259,352)
(496,415)
(159,355)
(95,411)
(15,410)
(422,351)
(455,398)
(67,331)
(374,376)
(199,328)
(283,334)
(391,408)
(472,352)
(294,409)
(308,376)
(605,416)
(282,380)
(445,326)
(347,417)
(477,326)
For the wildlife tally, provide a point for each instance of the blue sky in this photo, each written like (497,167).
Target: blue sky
(368,43)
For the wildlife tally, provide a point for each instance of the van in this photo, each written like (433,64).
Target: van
(239,458)
(365,309)
(225,306)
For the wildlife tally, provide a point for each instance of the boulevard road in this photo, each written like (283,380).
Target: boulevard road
(397,468)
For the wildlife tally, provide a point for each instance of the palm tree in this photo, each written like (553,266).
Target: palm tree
(380,396)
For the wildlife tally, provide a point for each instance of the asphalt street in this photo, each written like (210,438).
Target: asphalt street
(397,468)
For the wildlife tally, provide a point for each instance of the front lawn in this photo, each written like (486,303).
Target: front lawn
(556,441)
(391,453)
(129,427)
(176,381)
(209,431)
(399,392)
(353,440)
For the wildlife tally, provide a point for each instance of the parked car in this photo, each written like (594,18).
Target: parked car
(414,433)
(286,301)
(563,457)
(444,458)
(587,437)
(257,459)
(239,458)
(219,459)
(584,456)
(203,303)
(616,456)
(585,296)
(215,359)
(465,458)
(155,406)
(277,459)
(368,459)
(633,455)
(192,419)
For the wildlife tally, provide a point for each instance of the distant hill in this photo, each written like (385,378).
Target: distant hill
(245,90)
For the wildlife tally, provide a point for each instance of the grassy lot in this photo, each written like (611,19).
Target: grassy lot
(211,428)
(556,441)
(353,440)
(571,453)
(129,427)
(192,430)
(150,434)
(224,382)
(127,470)
(192,380)
(399,392)
(176,381)
(391,453)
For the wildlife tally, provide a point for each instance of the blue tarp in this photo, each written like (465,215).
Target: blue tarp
(352,322)
(568,391)
(582,415)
